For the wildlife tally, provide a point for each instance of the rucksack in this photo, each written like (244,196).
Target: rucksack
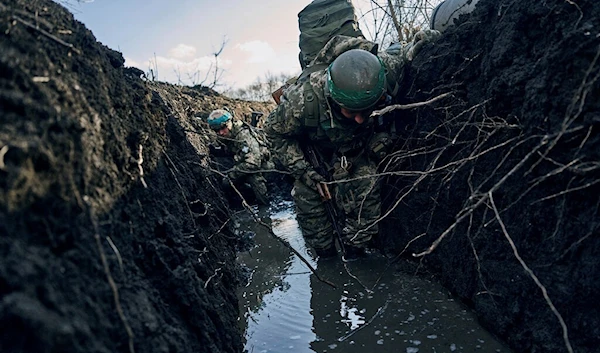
(319,21)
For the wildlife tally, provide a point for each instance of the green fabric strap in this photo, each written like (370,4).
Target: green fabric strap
(311,106)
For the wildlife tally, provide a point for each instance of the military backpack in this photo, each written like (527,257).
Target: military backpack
(319,21)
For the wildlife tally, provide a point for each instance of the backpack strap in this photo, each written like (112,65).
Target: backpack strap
(392,86)
(309,70)
(311,106)
(312,113)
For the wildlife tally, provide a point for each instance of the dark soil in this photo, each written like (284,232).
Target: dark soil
(104,251)
(100,250)
(522,124)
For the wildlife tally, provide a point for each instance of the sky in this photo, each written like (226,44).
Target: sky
(179,37)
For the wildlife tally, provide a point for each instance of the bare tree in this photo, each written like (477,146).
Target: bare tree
(388,21)
(261,88)
(217,73)
(152,73)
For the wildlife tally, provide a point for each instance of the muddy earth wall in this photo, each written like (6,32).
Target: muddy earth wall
(496,187)
(112,232)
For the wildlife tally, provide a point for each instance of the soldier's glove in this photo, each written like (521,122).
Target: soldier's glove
(341,170)
(311,178)
(421,38)
(395,49)
(381,144)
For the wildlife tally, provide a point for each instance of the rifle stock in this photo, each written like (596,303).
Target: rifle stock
(279,92)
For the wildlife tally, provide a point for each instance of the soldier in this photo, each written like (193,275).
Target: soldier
(250,149)
(328,110)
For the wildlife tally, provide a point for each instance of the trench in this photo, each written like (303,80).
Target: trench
(285,308)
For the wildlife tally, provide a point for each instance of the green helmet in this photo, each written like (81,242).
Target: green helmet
(218,119)
(356,79)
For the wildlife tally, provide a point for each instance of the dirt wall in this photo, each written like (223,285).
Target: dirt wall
(497,185)
(113,236)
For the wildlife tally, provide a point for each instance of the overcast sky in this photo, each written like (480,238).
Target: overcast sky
(261,35)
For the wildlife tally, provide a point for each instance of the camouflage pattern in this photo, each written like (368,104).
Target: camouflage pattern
(336,139)
(251,153)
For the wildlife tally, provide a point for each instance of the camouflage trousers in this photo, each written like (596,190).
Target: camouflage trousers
(258,185)
(358,202)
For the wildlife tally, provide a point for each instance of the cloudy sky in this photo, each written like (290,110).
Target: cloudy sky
(179,37)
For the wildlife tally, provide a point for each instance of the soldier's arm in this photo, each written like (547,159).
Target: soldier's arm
(284,129)
(249,155)
(398,54)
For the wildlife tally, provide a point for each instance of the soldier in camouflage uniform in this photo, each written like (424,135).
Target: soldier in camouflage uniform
(329,108)
(250,149)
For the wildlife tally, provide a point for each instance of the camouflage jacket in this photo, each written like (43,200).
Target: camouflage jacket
(286,126)
(249,146)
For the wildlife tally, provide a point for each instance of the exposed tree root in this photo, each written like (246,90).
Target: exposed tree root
(532,275)
(111,282)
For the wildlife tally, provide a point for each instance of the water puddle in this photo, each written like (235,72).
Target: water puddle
(285,308)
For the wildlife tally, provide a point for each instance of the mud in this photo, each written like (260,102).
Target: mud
(114,231)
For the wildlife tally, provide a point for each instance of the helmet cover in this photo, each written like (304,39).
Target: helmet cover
(218,119)
(356,79)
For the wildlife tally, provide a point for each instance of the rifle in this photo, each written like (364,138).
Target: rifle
(254,116)
(279,92)
(323,190)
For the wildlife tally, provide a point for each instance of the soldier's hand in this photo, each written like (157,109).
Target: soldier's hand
(421,38)
(311,178)
(395,49)
(381,144)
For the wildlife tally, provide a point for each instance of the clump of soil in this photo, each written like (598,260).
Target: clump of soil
(498,186)
(113,235)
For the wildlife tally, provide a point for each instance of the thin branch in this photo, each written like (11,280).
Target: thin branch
(117,252)
(42,31)
(467,211)
(180,187)
(3,152)
(270,230)
(220,229)
(533,276)
(212,276)
(112,284)
(139,161)
(581,187)
(395,20)
(393,107)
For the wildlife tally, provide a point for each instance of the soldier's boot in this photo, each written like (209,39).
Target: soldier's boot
(261,197)
(260,191)
(353,253)
(326,253)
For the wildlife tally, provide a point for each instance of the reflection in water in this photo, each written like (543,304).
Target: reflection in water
(276,301)
(284,308)
(352,316)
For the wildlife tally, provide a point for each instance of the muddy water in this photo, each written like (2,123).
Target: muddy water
(285,308)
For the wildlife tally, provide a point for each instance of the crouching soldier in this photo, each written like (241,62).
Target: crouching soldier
(325,118)
(250,150)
